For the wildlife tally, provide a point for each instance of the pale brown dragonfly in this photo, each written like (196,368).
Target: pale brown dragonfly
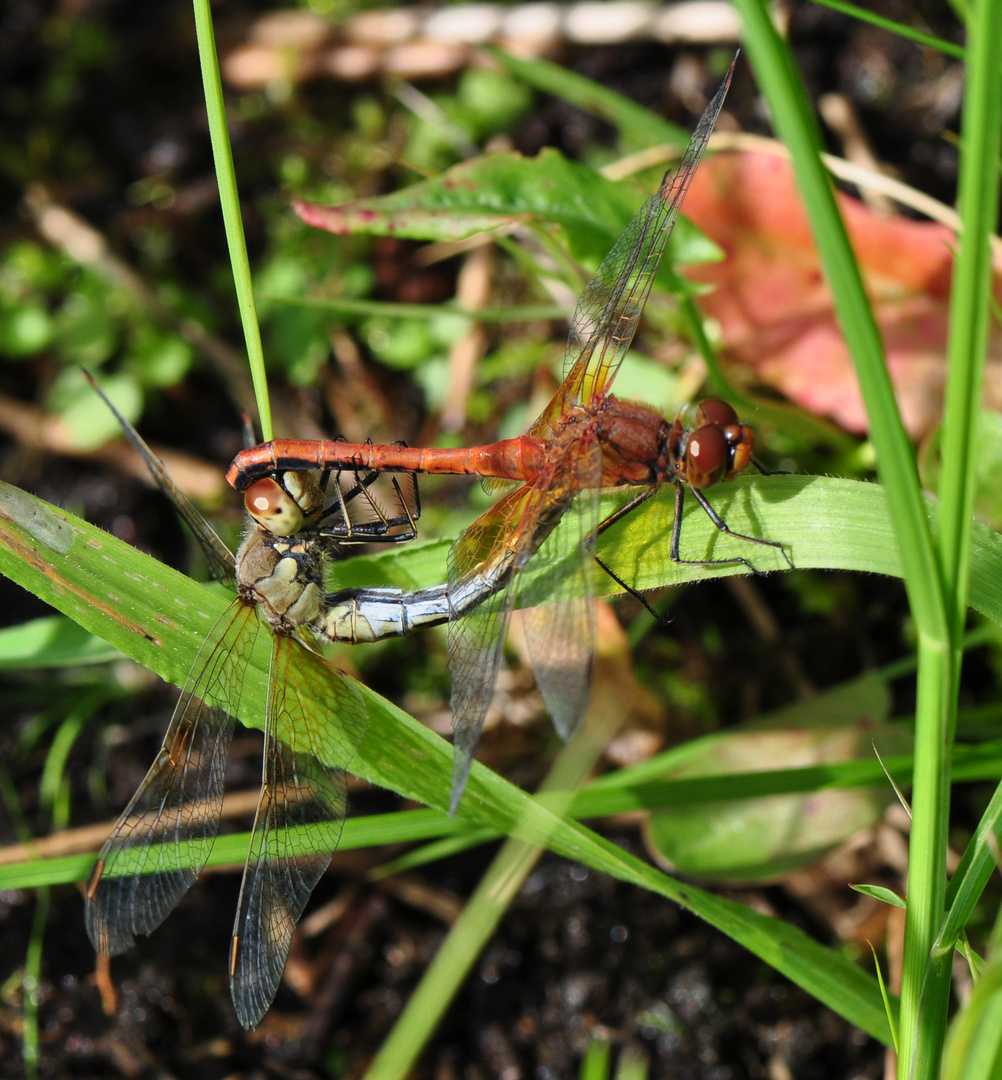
(314,721)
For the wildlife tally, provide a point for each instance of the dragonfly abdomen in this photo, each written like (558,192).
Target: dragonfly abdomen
(510,459)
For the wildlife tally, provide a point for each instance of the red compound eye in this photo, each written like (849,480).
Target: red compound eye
(273,508)
(707,455)
(708,448)
(716,412)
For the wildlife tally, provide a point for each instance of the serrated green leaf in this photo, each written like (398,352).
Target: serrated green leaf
(500,190)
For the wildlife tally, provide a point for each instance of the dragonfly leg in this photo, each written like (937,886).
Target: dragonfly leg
(606,523)
(769,472)
(722,525)
(336,522)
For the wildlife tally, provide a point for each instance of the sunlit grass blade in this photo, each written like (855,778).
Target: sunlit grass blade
(229,199)
(639,127)
(160,617)
(497,889)
(796,126)
(930,41)
(624,791)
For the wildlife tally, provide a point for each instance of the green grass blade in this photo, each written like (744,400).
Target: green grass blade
(390,309)
(626,791)
(970,298)
(797,128)
(948,48)
(596,1061)
(977,865)
(491,899)
(230,200)
(936,696)
(974,1048)
(926,985)
(160,617)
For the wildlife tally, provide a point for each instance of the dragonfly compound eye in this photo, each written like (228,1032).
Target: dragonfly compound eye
(716,412)
(273,508)
(742,442)
(707,456)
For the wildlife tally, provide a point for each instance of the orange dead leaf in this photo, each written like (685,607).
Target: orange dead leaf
(775,310)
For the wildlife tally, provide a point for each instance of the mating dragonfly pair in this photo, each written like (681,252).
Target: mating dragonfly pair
(309,499)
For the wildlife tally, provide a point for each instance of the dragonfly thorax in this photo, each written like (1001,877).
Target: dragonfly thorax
(634,442)
(283,577)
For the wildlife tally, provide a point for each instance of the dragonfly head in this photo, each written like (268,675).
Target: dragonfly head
(719,447)
(282,510)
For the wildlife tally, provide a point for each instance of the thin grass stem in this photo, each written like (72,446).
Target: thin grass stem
(229,199)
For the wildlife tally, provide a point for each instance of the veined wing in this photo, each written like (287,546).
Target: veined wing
(476,637)
(560,634)
(163,838)
(315,721)
(498,544)
(219,556)
(612,303)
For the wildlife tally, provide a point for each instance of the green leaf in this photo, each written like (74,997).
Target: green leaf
(823,523)
(86,331)
(761,839)
(881,893)
(87,418)
(501,190)
(53,641)
(766,834)
(25,330)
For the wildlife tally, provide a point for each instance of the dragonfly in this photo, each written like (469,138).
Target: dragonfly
(586,440)
(314,720)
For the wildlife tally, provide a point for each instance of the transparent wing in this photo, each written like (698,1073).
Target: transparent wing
(476,637)
(218,555)
(560,634)
(610,307)
(164,836)
(315,721)
(496,546)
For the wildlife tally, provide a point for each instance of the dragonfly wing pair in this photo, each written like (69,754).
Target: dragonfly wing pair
(559,633)
(315,719)
(610,307)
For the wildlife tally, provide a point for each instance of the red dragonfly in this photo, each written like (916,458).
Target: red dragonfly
(585,441)
(314,721)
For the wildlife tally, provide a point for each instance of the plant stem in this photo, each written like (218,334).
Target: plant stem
(230,201)
(926,974)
